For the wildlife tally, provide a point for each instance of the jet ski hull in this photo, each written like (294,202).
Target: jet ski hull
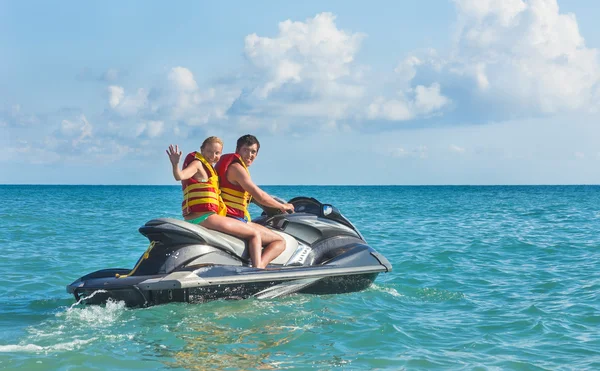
(349,272)
(134,296)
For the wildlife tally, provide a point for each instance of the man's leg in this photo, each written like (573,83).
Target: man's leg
(274,244)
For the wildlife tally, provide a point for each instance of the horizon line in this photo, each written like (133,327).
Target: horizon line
(316,185)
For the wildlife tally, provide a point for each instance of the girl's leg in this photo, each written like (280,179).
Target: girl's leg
(238,229)
(275,244)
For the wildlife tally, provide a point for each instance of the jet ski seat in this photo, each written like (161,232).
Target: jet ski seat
(184,232)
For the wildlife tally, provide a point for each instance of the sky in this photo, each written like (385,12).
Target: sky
(431,92)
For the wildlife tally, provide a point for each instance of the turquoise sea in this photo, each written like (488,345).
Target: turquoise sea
(485,278)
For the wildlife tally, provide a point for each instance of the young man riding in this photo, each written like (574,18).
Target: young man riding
(237,189)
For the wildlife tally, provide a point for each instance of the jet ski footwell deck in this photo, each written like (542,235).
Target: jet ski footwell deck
(325,254)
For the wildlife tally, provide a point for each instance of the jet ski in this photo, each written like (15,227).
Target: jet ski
(185,262)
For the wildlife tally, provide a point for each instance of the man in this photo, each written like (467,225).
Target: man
(237,188)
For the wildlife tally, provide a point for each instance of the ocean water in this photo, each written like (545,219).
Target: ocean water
(485,278)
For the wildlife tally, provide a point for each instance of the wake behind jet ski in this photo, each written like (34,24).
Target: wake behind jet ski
(185,262)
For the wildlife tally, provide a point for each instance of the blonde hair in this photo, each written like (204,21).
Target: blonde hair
(210,140)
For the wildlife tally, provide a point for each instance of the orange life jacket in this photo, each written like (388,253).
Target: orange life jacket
(234,196)
(201,197)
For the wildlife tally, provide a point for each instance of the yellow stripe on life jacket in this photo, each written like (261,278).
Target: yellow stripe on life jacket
(199,194)
(233,205)
(196,186)
(199,201)
(238,200)
(234,192)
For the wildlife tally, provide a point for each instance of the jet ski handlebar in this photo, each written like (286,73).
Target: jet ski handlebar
(308,205)
(271,211)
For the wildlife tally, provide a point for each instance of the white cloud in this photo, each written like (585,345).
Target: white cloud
(315,50)
(54,140)
(505,11)
(155,128)
(309,65)
(16,117)
(151,129)
(429,99)
(177,98)
(457,149)
(512,58)
(305,72)
(524,55)
(80,130)
(399,152)
(579,155)
(286,71)
(410,101)
(534,54)
(420,101)
(115,95)
(406,69)
(481,77)
(182,79)
(187,102)
(393,109)
(110,151)
(127,105)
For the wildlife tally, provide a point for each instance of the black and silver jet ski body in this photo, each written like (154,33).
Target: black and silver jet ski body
(325,254)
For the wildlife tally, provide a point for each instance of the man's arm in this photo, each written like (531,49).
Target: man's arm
(236,173)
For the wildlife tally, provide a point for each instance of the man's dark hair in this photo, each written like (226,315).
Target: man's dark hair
(247,140)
